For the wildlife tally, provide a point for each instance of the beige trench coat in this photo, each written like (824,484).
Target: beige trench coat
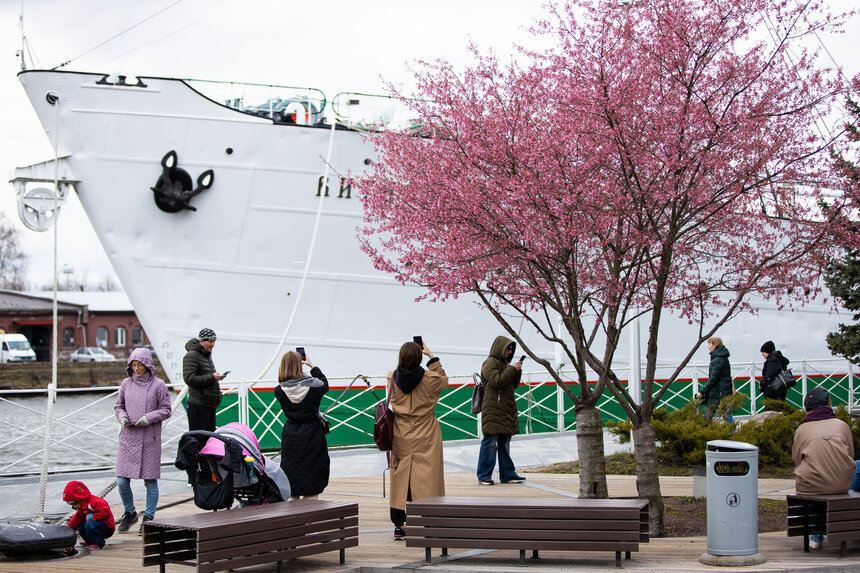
(416,454)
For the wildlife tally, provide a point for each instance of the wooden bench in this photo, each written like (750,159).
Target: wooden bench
(836,516)
(527,523)
(221,540)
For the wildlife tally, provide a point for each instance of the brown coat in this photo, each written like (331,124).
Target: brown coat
(416,454)
(823,455)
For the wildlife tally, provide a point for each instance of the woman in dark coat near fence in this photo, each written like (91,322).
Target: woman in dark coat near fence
(719,376)
(141,405)
(774,363)
(304,450)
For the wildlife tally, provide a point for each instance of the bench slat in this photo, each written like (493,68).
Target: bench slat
(520,545)
(268,547)
(248,561)
(503,512)
(541,535)
(599,524)
(183,556)
(241,526)
(171,547)
(845,515)
(280,533)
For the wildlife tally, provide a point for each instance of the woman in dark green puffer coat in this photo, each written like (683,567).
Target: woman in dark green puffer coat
(719,376)
(499,421)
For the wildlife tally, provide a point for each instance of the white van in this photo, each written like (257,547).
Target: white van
(16,348)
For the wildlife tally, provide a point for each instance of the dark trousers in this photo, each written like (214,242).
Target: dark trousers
(398,516)
(201,417)
(95,532)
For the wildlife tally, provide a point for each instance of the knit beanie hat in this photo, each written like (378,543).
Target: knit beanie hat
(768,347)
(206,334)
(816,397)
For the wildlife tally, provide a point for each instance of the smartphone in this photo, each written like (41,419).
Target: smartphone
(301,352)
(418,340)
(523,358)
(225,373)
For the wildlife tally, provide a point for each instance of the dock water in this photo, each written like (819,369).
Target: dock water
(357,476)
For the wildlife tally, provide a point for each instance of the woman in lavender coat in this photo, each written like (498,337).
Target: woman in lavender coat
(142,404)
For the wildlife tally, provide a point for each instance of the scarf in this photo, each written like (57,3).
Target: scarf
(819,413)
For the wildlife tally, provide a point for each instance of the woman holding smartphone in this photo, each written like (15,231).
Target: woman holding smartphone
(304,450)
(417,466)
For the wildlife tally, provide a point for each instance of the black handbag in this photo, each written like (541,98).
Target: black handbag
(783,382)
(211,494)
(477,394)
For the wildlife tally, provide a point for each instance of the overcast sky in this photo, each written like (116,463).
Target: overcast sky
(333,45)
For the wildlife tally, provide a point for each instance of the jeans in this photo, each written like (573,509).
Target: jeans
(124,487)
(491,444)
(855,483)
(95,532)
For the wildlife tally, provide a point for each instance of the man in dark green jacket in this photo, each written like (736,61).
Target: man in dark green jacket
(499,412)
(198,372)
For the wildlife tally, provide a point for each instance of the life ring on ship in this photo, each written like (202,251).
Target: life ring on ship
(296,112)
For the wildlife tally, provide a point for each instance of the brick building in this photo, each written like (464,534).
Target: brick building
(104,319)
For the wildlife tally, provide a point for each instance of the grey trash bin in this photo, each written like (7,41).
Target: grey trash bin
(732,478)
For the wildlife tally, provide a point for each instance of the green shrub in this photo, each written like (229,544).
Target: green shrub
(683,434)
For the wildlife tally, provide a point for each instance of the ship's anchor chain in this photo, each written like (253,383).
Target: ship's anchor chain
(173,190)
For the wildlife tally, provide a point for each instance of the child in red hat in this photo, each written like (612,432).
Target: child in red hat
(93,520)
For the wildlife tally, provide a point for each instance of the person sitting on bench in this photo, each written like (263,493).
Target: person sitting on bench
(823,452)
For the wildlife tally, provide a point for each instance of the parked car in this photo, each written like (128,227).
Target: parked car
(16,348)
(91,354)
(151,351)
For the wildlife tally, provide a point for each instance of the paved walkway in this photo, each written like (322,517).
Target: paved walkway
(19,496)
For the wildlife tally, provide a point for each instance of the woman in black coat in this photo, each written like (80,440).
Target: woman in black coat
(304,450)
(774,363)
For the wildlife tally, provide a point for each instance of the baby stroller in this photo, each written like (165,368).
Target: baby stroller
(229,466)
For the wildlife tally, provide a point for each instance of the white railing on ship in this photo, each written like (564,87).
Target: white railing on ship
(260,411)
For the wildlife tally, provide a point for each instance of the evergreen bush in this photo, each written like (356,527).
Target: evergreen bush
(683,434)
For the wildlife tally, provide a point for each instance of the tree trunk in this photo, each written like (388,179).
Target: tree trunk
(589,445)
(647,479)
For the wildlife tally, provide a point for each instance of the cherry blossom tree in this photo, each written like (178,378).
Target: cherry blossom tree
(646,165)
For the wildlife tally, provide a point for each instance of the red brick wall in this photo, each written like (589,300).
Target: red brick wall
(83,335)
(112,321)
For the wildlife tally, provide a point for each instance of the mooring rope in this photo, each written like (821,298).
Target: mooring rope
(52,386)
(322,193)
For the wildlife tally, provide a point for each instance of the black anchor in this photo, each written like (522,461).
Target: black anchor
(173,189)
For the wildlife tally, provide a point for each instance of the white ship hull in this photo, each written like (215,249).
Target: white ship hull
(235,264)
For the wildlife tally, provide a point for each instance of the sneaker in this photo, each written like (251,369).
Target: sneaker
(816,541)
(128,519)
(93,547)
(399,534)
(486,482)
(144,520)
(515,479)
